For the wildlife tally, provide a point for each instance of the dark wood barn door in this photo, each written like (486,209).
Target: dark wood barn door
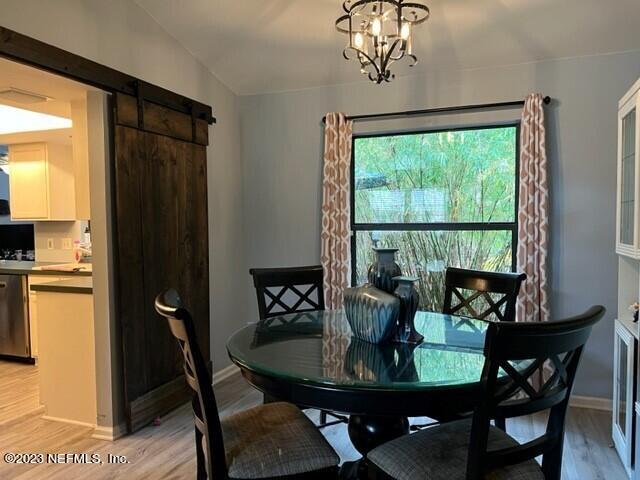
(161,241)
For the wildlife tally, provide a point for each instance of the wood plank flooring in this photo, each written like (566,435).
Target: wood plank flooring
(19,392)
(167,451)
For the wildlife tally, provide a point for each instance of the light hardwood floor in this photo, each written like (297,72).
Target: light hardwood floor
(19,393)
(167,451)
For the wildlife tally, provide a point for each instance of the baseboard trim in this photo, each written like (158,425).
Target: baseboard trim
(109,433)
(594,403)
(70,422)
(225,373)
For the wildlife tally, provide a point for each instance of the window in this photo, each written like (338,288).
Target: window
(443,198)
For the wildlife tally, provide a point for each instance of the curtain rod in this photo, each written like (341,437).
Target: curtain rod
(429,111)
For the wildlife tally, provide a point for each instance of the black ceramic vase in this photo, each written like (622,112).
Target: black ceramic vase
(381,273)
(409,298)
(372,314)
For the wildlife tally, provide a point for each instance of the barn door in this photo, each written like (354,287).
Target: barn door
(161,241)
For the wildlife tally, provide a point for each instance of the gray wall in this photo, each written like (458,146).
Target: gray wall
(281,156)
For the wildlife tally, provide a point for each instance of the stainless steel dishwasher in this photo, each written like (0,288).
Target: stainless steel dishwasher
(14,318)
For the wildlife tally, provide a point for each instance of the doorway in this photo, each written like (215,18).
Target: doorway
(56,252)
(157,153)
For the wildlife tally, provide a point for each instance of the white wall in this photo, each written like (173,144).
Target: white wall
(282,158)
(119,34)
(58,232)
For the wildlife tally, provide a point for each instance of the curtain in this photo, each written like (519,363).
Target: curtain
(335,237)
(533,213)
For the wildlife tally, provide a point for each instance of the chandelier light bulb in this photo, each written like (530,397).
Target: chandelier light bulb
(405,31)
(358,41)
(376,27)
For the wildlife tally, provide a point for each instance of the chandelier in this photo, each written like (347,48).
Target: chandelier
(380,34)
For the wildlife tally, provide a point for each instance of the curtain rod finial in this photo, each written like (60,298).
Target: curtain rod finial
(547,100)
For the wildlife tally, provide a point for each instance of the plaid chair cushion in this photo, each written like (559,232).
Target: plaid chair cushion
(440,453)
(274,440)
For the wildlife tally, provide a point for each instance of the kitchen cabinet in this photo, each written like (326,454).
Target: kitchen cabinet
(628,191)
(41,182)
(624,387)
(67,361)
(33,307)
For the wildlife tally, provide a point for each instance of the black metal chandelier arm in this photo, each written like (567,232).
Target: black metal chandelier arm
(359,52)
(401,52)
(418,6)
(385,60)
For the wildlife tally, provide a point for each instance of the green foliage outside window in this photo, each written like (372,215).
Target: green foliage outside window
(456,177)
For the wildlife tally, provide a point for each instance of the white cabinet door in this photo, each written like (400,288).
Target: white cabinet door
(628,201)
(41,180)
(623,394)
(28,181)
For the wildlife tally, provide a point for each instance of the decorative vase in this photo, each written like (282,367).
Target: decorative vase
(409,298)
(372,314)
(366,362)
(381,273)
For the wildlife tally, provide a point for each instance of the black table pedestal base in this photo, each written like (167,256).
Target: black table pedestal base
(368,432)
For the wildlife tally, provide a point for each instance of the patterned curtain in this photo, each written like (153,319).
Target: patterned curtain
(335,240)
(533,213)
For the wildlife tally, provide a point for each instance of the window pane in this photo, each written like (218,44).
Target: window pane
(627,207)
(426,254)
(459,176)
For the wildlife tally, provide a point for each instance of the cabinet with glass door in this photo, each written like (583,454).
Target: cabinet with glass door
(624,352)
(628,202)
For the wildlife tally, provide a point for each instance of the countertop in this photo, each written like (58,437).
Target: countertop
(14,267)
(81,284)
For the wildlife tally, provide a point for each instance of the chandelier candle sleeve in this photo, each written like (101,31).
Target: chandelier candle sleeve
(380,34)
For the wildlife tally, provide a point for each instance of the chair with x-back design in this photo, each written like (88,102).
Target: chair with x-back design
(510,386)
(482,295)
(283,291)
(288,290)
(267,441)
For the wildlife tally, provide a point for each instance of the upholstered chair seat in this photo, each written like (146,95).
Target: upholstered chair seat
(274,440)
(440,453)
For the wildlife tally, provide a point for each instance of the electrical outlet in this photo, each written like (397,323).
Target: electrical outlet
(50,243)
(66,244)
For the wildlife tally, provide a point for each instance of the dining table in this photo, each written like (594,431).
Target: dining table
(313,360)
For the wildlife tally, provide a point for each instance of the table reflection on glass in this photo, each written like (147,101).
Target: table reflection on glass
(311,359)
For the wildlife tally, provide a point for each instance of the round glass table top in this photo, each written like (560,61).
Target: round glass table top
(317,348)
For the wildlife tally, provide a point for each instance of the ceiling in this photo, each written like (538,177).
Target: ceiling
(59,89)
(259,46)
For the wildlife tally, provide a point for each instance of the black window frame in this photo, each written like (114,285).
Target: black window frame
(442,226)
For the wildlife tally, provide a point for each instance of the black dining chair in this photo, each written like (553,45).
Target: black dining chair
(269,441)
(288,290)
(472,449)
(482,295)
(282,291)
